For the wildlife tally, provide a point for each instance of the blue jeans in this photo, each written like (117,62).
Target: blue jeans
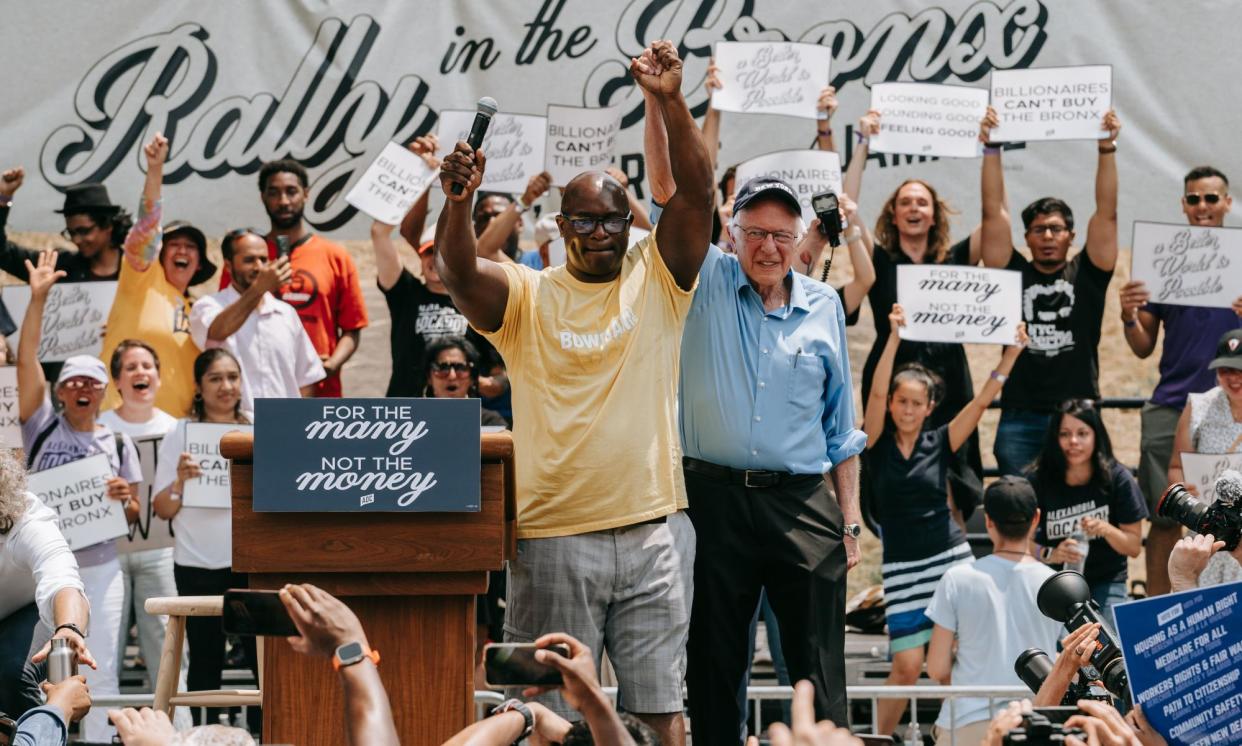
(1019,438)
(1109,594)
(19,683)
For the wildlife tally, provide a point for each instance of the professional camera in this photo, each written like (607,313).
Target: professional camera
(1222,519)
(1036,730)
(1066,598)
(1034,665)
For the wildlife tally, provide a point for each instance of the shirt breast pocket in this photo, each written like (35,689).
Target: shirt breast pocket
(806,380)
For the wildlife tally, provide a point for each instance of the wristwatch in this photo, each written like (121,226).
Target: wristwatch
(351,653)
(852,530)
(517,705)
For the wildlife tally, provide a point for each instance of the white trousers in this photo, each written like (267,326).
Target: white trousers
(106,593)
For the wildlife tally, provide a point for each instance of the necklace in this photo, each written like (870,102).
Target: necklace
(1010,551)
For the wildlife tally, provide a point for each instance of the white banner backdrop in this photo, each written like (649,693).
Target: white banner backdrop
(234,83)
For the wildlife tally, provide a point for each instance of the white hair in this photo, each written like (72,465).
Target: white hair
(12,490)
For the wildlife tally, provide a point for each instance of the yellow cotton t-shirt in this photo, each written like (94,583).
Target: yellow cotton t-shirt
(149,308)
(594,369)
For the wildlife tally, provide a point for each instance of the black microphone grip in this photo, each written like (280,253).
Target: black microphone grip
(475,139)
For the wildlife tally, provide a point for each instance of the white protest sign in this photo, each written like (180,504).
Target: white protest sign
(213,489)
(10,427)
(1203,469)
(1051,103)
(579,140)
(514,146)
(928,119)
(391,184)
(78,492)
(807,171)
(947,303)
(149,531)
(1187,265)
(760,77)
(73,317)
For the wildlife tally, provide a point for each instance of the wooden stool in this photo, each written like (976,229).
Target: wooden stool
(166,696)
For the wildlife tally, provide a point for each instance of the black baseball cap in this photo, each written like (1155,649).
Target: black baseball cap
(1010,501)
(206,267)
(1228,351)
(766,187)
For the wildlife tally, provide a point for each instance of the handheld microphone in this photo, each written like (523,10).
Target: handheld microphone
(282,246)
(485,110)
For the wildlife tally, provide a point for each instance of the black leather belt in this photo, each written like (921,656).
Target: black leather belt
(745,477)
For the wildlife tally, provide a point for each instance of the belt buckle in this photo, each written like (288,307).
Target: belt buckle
(758,474)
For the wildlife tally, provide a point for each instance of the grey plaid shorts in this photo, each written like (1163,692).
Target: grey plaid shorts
(625,590)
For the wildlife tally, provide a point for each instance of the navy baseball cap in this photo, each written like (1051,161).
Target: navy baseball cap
(1228,351)
(766,187)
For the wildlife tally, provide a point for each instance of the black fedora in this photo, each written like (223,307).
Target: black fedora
(88,197)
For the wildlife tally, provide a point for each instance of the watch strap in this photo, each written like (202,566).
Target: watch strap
(517,705)
(367,652)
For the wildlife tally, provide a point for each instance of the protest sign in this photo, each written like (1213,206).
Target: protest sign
(149,531)
(213,488)
(1201,470)
(367,455)
(579,140)
(10,426)
(78,492)
(1181,653)
(807,171)
(1051,103)
(928,119)
(1186,265)
(391,184)
(73,317)
(945,303)
(514,146)
(761,77)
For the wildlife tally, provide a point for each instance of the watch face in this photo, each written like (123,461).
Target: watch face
(350,651)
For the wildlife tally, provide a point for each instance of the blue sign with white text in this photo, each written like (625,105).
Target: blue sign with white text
(361,455)
(1181,653)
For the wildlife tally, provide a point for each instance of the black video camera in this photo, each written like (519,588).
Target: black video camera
(1036,730)
(1066,598)
(1222,519)
(1034,665)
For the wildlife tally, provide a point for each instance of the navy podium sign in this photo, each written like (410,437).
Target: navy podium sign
(355,455)
(1181,653)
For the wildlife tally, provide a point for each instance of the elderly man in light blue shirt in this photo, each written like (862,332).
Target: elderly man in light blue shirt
(771,462)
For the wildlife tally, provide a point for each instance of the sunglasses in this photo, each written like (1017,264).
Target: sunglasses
(585,225)
(1194,198)
(1082,405)
(81,231)
(74,384)
(443,369)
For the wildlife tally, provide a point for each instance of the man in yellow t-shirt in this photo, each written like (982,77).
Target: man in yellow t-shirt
(605,550)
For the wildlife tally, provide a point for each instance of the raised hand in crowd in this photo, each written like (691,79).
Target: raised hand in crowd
(415,219)
(580,688)
(31,380)
(711,119)
(1188,559)
(325,624)
(145,727)
(43,275)
(1076,651)
(504,229)
(826,105)
(10,181)
(71,696)
(156,152)
(868,126)
(805,731)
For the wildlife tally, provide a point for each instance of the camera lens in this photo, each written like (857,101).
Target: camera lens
(1178,504)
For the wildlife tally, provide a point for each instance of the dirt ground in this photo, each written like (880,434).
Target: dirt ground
(1121,373)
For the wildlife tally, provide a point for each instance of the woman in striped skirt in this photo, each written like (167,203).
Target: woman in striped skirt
(919,524)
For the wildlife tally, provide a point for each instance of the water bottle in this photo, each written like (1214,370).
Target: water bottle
(62,661)
(1084,545)
(914,736)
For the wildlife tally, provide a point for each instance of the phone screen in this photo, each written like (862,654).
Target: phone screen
(514,664)
(258,614)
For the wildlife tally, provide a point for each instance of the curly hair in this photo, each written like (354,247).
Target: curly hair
(886,234)
(12,491)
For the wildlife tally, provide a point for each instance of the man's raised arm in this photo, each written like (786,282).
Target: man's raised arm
(686,224)
(478,286)
(995,232)
(1102,228)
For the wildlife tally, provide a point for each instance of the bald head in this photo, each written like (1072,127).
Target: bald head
(594,187)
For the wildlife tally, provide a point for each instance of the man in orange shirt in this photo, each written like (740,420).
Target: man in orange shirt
(324,289)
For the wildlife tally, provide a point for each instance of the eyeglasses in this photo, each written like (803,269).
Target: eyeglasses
(80,232)
(584,225)
(1082,405)
(1054,229)
(444,369)
(1194,198)
(78,383)
(756,236)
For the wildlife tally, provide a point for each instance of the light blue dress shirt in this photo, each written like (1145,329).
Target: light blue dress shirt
(767,390)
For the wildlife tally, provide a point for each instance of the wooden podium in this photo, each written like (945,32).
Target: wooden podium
(410,577)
